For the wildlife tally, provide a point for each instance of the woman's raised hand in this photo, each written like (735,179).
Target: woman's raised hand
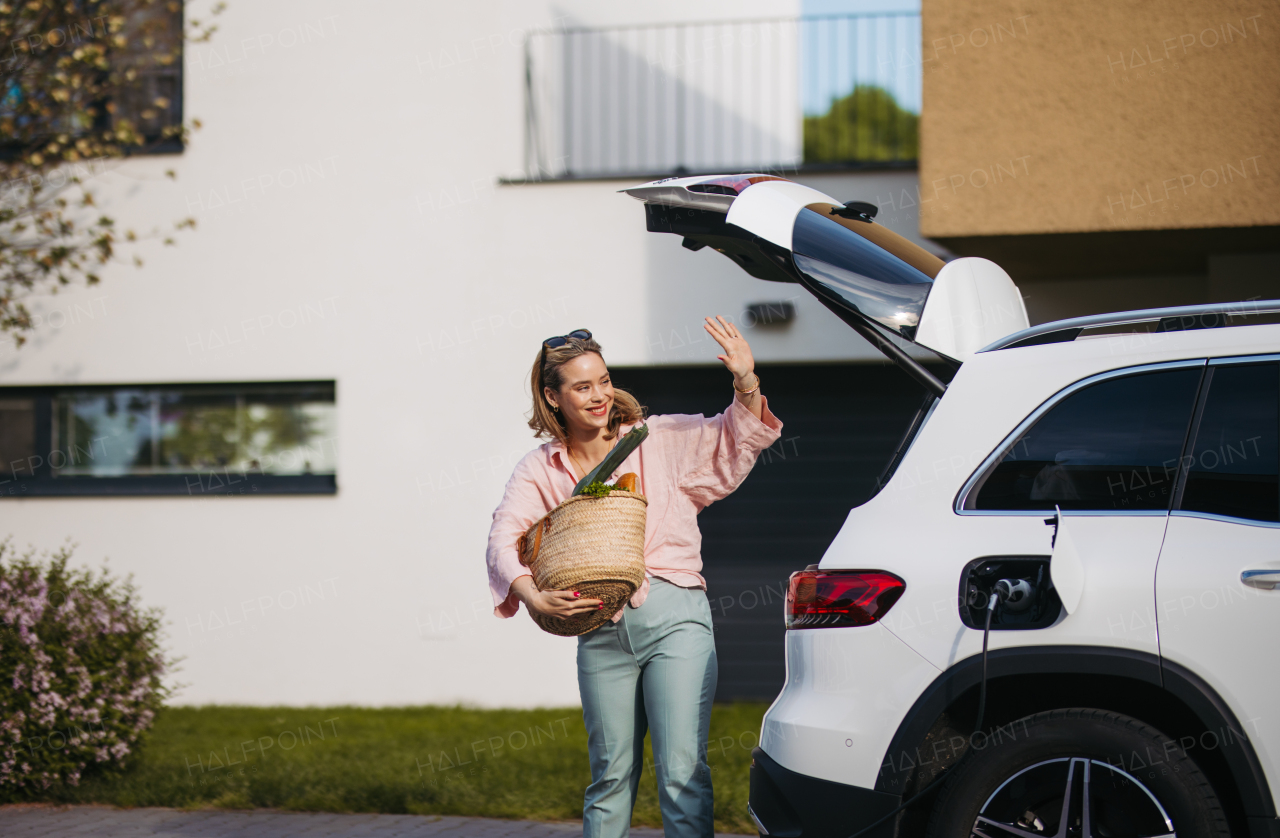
(737,353)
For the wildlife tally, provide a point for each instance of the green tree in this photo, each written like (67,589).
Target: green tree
(866,125)
(82,83)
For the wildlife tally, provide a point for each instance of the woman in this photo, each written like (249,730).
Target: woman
(653,667)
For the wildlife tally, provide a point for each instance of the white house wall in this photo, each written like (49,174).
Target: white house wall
(351,227)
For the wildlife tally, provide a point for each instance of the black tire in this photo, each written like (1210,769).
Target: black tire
(1025,760)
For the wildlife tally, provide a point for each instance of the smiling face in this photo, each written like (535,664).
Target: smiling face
(586,395)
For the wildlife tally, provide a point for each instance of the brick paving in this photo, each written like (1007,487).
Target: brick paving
(37,821)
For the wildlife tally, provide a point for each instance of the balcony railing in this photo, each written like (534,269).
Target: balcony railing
(786,93)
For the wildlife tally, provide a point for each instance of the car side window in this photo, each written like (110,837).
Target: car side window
(1233,467)
(1111,446)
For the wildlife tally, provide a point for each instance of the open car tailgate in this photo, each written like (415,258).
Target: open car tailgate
(874,279)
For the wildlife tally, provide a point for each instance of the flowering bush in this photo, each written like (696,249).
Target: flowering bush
(80,670)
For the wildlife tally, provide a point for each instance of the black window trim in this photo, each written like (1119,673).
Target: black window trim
(1201,401)
(1012,438)
(224,482)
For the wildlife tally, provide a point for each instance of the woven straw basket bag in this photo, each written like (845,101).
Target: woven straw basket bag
(591,545)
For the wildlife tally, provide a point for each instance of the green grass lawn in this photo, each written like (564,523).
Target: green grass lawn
(420,760)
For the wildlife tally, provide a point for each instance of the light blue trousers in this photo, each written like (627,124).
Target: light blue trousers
(653,670)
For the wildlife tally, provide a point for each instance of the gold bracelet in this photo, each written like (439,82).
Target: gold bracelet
(752,390)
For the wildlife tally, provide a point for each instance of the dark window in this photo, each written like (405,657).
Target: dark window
(866,247)
(1234,467)
(140,89)
(1111,446)
(152,101)
(186,439)
(873,271)
(17,435)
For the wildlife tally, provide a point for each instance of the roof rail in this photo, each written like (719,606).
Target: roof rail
(1172,319)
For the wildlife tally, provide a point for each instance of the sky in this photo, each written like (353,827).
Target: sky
(843,7)
(878,50)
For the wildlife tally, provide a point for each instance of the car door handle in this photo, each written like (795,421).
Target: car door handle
(1265,579)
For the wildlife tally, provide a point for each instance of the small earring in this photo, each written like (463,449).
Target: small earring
(556,408)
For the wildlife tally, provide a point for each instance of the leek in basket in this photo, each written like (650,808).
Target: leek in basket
(610,463)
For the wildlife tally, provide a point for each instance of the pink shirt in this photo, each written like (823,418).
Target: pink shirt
(686,464)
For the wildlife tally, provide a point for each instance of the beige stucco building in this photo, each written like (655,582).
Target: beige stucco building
(1107,154)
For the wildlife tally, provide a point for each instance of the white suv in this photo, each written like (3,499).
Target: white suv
(1097,499)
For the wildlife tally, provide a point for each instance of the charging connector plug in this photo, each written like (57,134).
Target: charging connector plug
(1015,594)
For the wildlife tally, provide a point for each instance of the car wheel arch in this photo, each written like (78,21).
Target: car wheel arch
(1115,679)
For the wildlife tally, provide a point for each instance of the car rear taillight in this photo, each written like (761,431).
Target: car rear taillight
(826,599)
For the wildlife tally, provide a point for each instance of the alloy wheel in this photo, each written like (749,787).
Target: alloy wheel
(1072,797)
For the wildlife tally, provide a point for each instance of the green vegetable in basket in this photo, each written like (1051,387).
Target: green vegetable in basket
(610,463)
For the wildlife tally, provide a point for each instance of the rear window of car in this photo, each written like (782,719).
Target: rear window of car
(865,267)
(881,236)
(1233,467)
(1112,446)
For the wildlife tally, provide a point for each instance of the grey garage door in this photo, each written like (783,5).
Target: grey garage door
(841,425)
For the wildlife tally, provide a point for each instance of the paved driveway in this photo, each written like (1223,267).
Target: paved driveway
(29,821)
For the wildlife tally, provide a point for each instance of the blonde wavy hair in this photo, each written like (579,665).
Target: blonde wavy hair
(546,372)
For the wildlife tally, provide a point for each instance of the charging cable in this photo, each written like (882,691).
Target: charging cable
(998,595)
(1016,594)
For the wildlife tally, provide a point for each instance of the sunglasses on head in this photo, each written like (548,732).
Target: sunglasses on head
(560,340)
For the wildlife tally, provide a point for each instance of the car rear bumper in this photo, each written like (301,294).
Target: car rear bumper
(785,804)
(846,694)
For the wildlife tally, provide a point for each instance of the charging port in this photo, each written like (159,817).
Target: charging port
(1034,603)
